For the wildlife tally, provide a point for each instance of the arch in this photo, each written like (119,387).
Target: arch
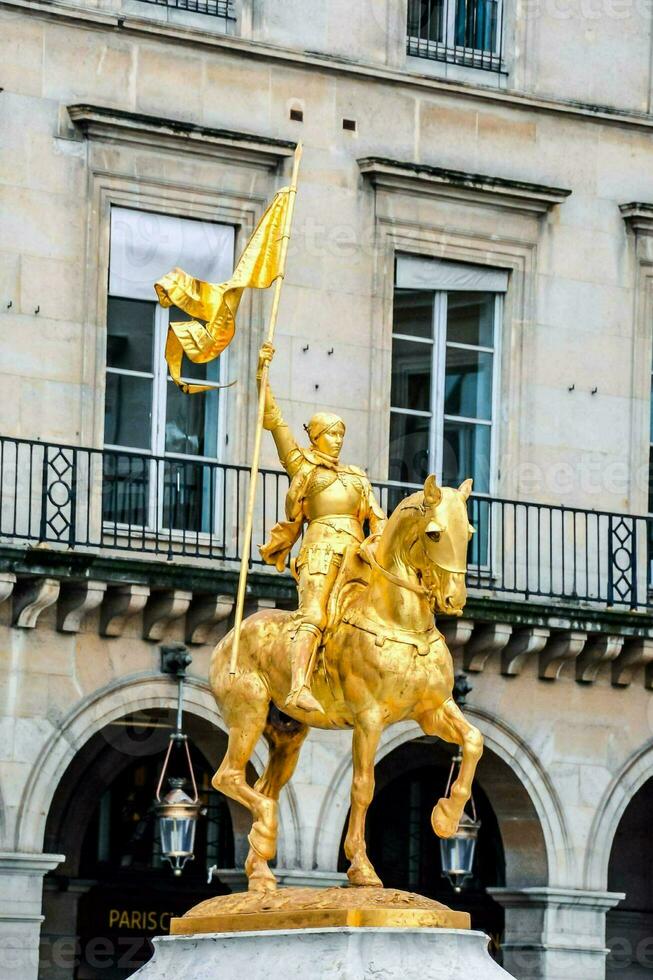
(553,866)
(94,713)
(618,794)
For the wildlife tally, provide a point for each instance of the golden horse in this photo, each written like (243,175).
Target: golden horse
(383,661)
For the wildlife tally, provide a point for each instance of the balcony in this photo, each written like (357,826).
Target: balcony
(74,500)
(212,8)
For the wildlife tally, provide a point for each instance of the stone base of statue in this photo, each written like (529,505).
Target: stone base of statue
(328,934)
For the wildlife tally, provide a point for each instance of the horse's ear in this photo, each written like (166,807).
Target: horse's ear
(432,492)
(466,488)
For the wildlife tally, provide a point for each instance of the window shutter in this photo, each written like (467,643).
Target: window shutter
(144,246)
(418,272)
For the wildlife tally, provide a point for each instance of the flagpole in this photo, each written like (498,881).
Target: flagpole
(251,496)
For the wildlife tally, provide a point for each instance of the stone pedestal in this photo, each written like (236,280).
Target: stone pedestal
(325,954)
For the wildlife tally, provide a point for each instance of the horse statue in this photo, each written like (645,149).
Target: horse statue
(382,661)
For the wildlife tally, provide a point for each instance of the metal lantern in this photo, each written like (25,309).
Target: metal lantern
(177,813)
(457,852)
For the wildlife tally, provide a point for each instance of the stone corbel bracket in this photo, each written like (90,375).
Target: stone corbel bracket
(7,584)
(31,597)
(204,613)
(457,632)
(561,648)
(523,643)
(120,604)
(76,601)
(485,641)
(162,609)
(598,650)
(636,652)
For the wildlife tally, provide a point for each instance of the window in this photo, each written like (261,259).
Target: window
(464,32)
(446,330)
(146,415)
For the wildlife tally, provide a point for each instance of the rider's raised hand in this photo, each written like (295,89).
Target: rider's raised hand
(265,355)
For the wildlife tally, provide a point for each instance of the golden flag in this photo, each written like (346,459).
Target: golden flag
(217,303)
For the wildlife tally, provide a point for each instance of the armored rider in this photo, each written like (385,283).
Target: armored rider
(334,501)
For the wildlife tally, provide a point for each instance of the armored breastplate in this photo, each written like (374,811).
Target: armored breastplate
(328,492)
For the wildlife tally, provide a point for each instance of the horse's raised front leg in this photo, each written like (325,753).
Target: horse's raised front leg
(284,752)
(246,716)
(449,723)
(367,732)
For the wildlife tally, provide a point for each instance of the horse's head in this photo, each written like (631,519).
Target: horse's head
(439,551)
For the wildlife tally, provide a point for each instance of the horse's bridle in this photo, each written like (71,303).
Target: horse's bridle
(403,583)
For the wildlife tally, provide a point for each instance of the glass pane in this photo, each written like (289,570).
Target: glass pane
(128,411)
(470,318)
(409,448)
(476,24)
(413,312)
(191,422)
(189,370)
(130,334)
(468,383)
(425,19)
(125,488)
(411,375)
(189,495)
(466,452)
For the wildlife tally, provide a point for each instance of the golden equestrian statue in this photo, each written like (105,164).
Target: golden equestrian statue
(362,651)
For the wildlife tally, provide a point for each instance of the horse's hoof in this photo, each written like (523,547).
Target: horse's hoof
(364,878)
(443,820)
(262,885)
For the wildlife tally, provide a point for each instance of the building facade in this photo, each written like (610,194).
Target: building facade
(469,286)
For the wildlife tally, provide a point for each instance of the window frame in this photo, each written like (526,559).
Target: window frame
(160,378)
(448,51)
(435,414)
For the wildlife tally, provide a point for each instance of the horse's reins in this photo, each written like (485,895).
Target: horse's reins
(403,583)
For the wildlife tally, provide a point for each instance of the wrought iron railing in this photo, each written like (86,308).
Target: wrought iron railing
(462,32)
(122,501)
(213,8)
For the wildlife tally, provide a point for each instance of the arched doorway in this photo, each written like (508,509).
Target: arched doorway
(629,926)
(403,847)
(114,892)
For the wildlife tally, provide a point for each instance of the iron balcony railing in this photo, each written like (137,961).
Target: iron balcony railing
(461,32)
(122,501)
(213,8)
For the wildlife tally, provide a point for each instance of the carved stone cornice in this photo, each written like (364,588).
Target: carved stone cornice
(441,182)
(118,125)
(638,217)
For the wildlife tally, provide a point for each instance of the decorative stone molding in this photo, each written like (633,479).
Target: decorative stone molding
(598,650)
(20,862)
(456,632)
(162,609)
(76,601)
(7,583)
(117,125)
(637,652)
(485,641)
(638,216)
(523,643)
(440,182)
(31,597)
(204,613)
(120,604)
(561,648)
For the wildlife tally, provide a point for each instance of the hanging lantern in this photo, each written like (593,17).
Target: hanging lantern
(177,813)
(457,852)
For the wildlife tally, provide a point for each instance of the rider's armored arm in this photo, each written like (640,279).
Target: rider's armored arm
(289,453)
(376,515)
